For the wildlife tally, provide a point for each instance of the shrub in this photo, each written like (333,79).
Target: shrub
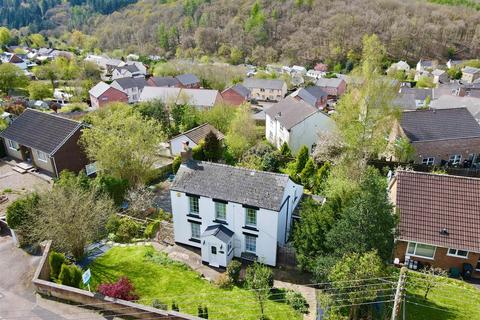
(113,223)
(19,213)
(296,301)
(116,188)
(233,271)
(164,215)
(70,275)
(75,276)
(203,312)
(159,305)
(55,260)
(122,289)
(176,164)
(64,276)
(175,306)
(223,281)
(127,230)
(151,229)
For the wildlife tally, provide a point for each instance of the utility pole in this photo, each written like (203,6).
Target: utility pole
(399,293)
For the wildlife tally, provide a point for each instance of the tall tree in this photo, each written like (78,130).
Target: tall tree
(123,143)
(212,147)
(11,77)
(5,36)
(242,133)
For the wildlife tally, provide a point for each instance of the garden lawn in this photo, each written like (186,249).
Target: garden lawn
(155,276)
(449,299)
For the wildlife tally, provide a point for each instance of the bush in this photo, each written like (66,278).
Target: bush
(233,271)
(70,275)
(64,276)
(223,281)
(176,164)
(122,289)
(296,301)
(55,260)
(159,305)
(19,213)
(127,230)
(116,188)
(203,312)
(151,229)
(113,223)
(175,306)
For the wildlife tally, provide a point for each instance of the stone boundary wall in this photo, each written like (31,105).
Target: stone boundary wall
(43,286)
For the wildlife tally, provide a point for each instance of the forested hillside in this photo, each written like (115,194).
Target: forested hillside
(300,31)
(36,14)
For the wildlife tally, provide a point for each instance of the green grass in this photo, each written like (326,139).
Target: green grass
(449,299)
(155,276)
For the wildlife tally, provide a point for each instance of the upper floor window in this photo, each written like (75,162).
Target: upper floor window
(220,211)
(42,156)
(195,229)
(13,145)
(193,202)
(250,217)
(428,161)
(421,250)
(457,253)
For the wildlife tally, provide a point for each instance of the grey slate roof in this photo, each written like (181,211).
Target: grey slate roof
(329,82)
(241,90)
(128,83)
(199,133)
(441,124)
(165,81)
(311,94)
(219,231)
(263,83)
(234,184)
(39,130)
(420,93)
(405,101)
(129,67)
(290,111)
(470,70)
(188,79)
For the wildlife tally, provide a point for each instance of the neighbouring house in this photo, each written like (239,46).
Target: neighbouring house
(199,98)
(426,65)
(296,123)
(439,222)
(313,95)
(236,95)
(470,74)
(46,141)
(440,136)
(102,94)
(454,63)
(128,70)
(413,98)
(321,67)
(189,81)
(193,137)
(440,76)
(231,212)
(266,89)
(298,70)
(449,101)
(16,60)
(131,86)
(400,66)
(315,74)
(163,82)
(335,87)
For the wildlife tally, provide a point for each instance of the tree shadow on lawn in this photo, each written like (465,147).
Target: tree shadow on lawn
(420,309)
(277,295)
(102,273)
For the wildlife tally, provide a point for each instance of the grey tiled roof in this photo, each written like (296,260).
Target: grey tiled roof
(187,79)
(241,90)
(39,130)
(311,94)
(128,83)
(419,93)
(164,81)
(199,133)
(440,124)
(329,82)
(290,111)
(470,70)
(240,185)
(263,83)
(219,231)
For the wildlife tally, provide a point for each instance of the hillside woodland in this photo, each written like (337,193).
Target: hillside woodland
(263,31)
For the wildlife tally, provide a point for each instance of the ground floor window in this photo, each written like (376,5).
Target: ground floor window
(250,243)
(457,253)
(42,156)
(428,161)
(195,227)
(455,158)
(13,145)
(421,250)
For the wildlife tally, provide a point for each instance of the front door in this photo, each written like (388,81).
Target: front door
(215,258)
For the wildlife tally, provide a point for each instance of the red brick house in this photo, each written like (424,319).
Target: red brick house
(335,87)
(102,94)
(439,220)
(236,95)
(46,141)
(441,136)
(188,81)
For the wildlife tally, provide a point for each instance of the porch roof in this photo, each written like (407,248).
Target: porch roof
(220,232)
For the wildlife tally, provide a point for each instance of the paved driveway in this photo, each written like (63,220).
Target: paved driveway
(18,300)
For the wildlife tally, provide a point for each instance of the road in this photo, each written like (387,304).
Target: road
(18,300)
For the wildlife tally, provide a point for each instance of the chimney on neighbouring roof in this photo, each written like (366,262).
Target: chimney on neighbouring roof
(187,153)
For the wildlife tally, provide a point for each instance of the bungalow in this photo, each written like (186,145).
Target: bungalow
(231,212)
(440,136)
(46,141)
(192,137)
(163,82)
(102,94)
(470,74)
(188,81)
(236,95)
(131,86)
(296,123)
(439,220)
(265,89)
(313,95)
(334,87)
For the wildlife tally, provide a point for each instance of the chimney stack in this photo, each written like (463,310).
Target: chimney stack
(186,154)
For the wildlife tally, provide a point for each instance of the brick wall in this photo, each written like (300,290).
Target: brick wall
(232,97)
(442,150)
(441,259)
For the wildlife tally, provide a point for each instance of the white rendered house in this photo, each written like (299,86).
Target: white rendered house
(232,212)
